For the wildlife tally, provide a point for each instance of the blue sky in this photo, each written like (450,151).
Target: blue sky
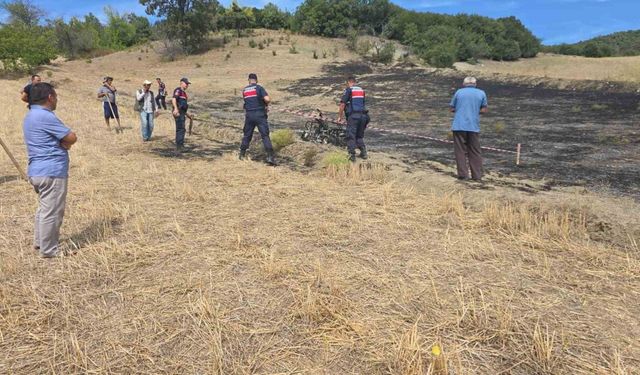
(554,21)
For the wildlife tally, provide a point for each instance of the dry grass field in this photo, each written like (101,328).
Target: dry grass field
(621,69)
(204,264)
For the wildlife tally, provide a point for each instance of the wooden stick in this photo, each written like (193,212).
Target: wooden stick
(518,154)
(15,162)
(114,116)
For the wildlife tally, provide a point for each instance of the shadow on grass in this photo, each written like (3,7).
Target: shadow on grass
(5,179)
(96,231)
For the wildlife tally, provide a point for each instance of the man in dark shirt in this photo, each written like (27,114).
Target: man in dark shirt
(352,104)
(162,94)
(256,102)
(180,108)
(26,91)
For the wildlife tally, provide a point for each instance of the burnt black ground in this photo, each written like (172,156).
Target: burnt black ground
(568,137)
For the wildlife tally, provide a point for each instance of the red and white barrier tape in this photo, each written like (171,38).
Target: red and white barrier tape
(414,135)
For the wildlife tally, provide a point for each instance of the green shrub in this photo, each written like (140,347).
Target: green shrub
(335,159)
(315,55)
(282,138)
(441,56)
(252,43)
(260,46)
(293,50)
(49,74)
(385,53)
(364,47)
(274,52)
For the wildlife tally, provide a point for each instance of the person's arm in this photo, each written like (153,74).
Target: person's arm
(174,103)
(24,96)
(484,106)
(101,93)
(346,96)
(68,140)
(139,95)
(454,101)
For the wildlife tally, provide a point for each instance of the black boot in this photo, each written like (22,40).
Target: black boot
(363,153)
(243,154)
(352,157)
(270,158)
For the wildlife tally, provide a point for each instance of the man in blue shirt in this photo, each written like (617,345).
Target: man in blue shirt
(48,141)
(468,104)
(256,104)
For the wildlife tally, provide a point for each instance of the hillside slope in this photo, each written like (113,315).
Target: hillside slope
(206,264)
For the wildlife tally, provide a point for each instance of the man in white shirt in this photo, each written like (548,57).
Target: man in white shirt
(147,106)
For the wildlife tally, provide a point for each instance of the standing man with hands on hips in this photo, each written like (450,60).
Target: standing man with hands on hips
(48,142)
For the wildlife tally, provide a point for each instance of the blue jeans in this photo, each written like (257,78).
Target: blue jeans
(146,125)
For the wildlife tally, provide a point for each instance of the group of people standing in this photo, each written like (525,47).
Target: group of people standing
(48,140)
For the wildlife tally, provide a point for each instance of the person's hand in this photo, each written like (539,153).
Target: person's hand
(176,113)
(65,145)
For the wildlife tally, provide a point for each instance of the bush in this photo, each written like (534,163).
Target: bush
(252,43)
(441,56)
(293,50)
(315,54)
(335,159)
(260,46)
(385,53)
(274,53)
(282,138)
(364,47)
(22,49)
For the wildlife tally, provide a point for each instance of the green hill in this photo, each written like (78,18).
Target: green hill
(625,43)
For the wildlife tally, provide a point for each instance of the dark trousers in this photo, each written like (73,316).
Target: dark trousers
(161,102)
(467,146)
(356,123)
(251,120)
(180,128)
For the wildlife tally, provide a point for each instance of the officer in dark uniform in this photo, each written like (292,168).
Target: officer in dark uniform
(180,108)
(256,102)
(352,104)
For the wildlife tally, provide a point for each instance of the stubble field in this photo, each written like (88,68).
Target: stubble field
(201,263)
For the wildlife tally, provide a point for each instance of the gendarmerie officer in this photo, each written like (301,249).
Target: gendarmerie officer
(256,103)
(180,107)
(352,105)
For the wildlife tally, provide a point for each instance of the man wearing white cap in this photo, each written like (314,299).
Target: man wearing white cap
(468,104)
(146,105)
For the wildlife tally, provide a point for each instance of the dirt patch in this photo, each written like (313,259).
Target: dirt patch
(569,137)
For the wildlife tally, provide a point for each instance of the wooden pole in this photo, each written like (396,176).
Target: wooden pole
(119,129)
(518,154)
(15,162)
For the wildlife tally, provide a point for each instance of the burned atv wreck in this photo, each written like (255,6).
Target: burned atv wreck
(323,130)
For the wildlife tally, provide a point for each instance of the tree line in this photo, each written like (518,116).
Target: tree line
(626,43)
(27,40)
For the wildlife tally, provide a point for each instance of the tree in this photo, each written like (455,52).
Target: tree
(22,12)
(271,17)
(23,48)
(188,21)
(238,18)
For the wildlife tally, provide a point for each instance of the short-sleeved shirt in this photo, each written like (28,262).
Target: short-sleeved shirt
(253,96)
(111,95)
(162,89)
(27,90)
(354,98)
(467,102)
(181,99)
(43,132)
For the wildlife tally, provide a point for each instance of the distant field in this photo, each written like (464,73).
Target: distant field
(625,69)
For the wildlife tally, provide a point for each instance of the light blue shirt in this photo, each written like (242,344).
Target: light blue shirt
(467,102)
(43,132)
